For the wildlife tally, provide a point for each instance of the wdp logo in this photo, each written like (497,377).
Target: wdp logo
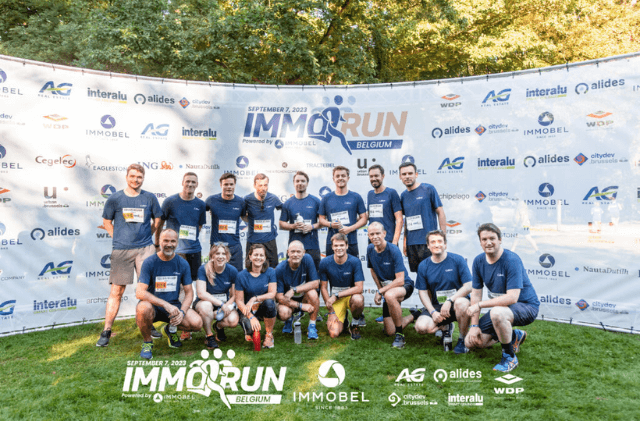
(63,89)
(324,190)
(608,193)
(6,308)
(107,121)
(582,305)
(408,158)
(456,164)
(324,377)
(105,262)
(547,261)
(63,268)
(480,196)
(107,190)
(500,97)
(580,159)
(545,190)
(582,88)
(545,119)
(242,162)
(159,130)
(529,160)
(3,76)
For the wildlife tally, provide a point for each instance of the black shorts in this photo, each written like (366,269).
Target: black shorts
(272,252)
(409,290)
(236,257)
(450,319)
(523,314)
(162,315)
(194,260)
(416,253)
(197,300)
(352,250)
(315,255)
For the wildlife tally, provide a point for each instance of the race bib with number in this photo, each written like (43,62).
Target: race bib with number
(187,232)
(306,222)
(262,226)
(133,214)
(494,294)
(375,211)
(443,295)
(227,227)
(342,217)
(166,283)
(414,222)
(385,283)
(221,297)
(335,290)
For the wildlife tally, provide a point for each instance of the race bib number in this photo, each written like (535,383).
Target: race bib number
(414,222)
(187,232)
(335,290)
(342,217)
(166,283)
(306,222)
(262,226)
(221,297)
(375,211)
(385,283)
(133,214)
(227,227)
(443,295)
(494,294)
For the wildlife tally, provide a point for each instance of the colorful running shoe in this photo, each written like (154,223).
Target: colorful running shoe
(173,338)
(146,353)
(521,336)
(460,348)
(398,342)
(312,332)
(507,363)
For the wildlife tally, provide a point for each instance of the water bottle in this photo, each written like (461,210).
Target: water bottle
(299,218)
(297,333)
(220,313)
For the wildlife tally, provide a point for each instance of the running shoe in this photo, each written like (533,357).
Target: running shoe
(154,333)
(355,332)
(447,338)
(210,342)
(362,322)
(398,342)
(460,348)
(288,325)
(220,335)
(312,332)
(521,336)
(507,363)
(246,327)
(104,338)
(186,336)
(173,338)
(268,340)
(439,335)
(319,318)
(147,347)
(380,319)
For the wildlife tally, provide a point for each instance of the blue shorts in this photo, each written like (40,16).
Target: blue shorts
(236,257)
(161,313)
(523,314)
(409,290)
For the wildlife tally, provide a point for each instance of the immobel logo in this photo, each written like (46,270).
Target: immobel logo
(330,374)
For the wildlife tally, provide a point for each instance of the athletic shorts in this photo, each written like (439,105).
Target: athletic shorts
(124,262)
(416,253)
(161,313)
(352,250)
(272,252)
(341,306)
(194,260)
(197,300)
(408,291)
(450,319)
(523,314)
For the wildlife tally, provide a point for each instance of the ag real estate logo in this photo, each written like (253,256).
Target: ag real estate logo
(155,131)
(508,380)
(51,271)
(332,122)
(605,195)
(548,129)
(6,309)
(583,88)
(52,91)
(451,166)
(209,376)
(331,374)
(496,98)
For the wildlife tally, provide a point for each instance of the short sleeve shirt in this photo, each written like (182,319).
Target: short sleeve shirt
(308,210)
(382,208)
(419,208)
(131,218)
(222,282)
(225,219)
(344,275)
(261,217)
(289,278)
(254,286)
(164,278)
(442,279)
(185,217)
(387,263)
(346,209)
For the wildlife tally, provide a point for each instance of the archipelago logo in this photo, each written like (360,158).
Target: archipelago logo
(496,99)
(328,380)
(334,120)
(606,194)
(449,166)
(53,91)
(583,88)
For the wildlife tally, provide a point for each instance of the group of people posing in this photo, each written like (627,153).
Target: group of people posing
(229,294)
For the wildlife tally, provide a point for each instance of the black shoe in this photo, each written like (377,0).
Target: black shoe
(355,332)
(155,334)
(173,338)
(246,327)
(104,338)
(399,341)
(415,312)
(319,318)
(210,342)
(345,325)
(362,322)
(220,335)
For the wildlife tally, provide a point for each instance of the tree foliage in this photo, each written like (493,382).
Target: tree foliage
(317,42)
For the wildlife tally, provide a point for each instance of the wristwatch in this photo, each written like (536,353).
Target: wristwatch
(295,290)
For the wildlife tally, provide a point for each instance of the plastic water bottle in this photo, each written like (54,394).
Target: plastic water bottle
(299,218)
(297,333)
(220,314)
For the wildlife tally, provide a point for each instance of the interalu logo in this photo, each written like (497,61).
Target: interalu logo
(334,120)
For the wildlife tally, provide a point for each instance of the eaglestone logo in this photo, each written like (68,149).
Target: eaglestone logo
(50,90)
(209,376)
(106,96)
(546,93)
(50,306)
(583,88)
(496,99)
(154,99)
(607,194)
(546,119)
(547,160)
(330,121)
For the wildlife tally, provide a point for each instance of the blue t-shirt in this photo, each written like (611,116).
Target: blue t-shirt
(308,209)
(347,209)
(253,287)
(382,207)
(387,263)
(419,207)
(342,276)
(288,278)
(185,217)
(442,278)
(225,219)
(222,282)
(261,219)
(131,218)
(505,274)
(164,278)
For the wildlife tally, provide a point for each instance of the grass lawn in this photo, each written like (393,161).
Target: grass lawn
(567,372)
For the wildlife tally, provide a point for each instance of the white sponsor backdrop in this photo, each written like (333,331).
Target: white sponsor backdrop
(550,156)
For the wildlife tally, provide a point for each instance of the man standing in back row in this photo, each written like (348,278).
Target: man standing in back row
(384,206)
(261,218)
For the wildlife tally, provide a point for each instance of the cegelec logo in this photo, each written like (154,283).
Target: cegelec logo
(67,161)
(332,121)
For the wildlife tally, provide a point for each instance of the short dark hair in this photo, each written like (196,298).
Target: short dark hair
(247,261)
(228,175)
(302,173)
(188,174)
(376,167)
(136,167)
(340,168)
(340,237)
(408,164)
(490,227)
(437,232)
(258,177)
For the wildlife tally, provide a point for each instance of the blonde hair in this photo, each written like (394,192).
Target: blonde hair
(209,267)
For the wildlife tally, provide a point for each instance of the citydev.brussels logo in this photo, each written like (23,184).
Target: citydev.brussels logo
(333,120)
(582,305)
(209,376)
(580,159)
(242,162)
(331,373)
(480,196)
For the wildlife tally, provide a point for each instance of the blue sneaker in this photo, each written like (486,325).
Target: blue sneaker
(460,348)
(288,325)
(147,347)
(507,363)
(521,335)
(312,332)
(380,319)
